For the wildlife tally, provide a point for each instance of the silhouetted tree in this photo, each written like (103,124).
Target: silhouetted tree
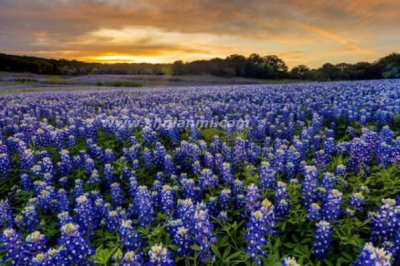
(238,62)
(253,66)
(276,67)
(390,66)
(300,72)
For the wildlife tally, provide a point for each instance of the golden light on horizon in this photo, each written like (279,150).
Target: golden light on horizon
(110,59)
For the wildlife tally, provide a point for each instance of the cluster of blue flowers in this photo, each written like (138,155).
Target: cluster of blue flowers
(260,225)
(74,178)
(322,239)
(372,256)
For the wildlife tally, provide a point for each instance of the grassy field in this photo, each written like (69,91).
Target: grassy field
(23,81)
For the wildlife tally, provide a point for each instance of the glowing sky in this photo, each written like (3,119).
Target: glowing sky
(299,31)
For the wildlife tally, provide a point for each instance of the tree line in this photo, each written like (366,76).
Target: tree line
(253,66)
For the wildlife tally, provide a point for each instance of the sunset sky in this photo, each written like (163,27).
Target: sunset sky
(298,31)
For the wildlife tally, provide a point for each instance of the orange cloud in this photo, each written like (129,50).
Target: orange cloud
(348,44)
(299,31)
(40,33)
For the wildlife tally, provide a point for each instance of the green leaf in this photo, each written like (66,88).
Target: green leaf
(118,254)
(216,251)
(226,252)
(195,247)
(102,256)
(347,256)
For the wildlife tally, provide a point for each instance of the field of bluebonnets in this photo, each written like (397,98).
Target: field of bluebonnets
(312,179)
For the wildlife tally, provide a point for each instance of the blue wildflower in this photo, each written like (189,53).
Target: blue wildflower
(29,218)
(281,199)
(181,237)
(261,223)
(12,245)
(77,248)
(207,179)
(331,205)
(203,235)
(309,185)
(252,199)
(128,237)
(160,256)
(168,199)
(314,212)
(322,239)
(144,205)
(372,256)
(117,194)
(6,215)
(131,258)
(267,177)
(386,221)
(289,261)
(35,243)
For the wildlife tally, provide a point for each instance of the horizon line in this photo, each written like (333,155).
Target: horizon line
(114,62)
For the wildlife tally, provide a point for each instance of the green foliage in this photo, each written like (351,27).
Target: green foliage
(397,123)
(207,134)
(108,141)
(57,80)
(119,83)
(103,255)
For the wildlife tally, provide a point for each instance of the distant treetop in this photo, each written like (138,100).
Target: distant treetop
(253,66)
